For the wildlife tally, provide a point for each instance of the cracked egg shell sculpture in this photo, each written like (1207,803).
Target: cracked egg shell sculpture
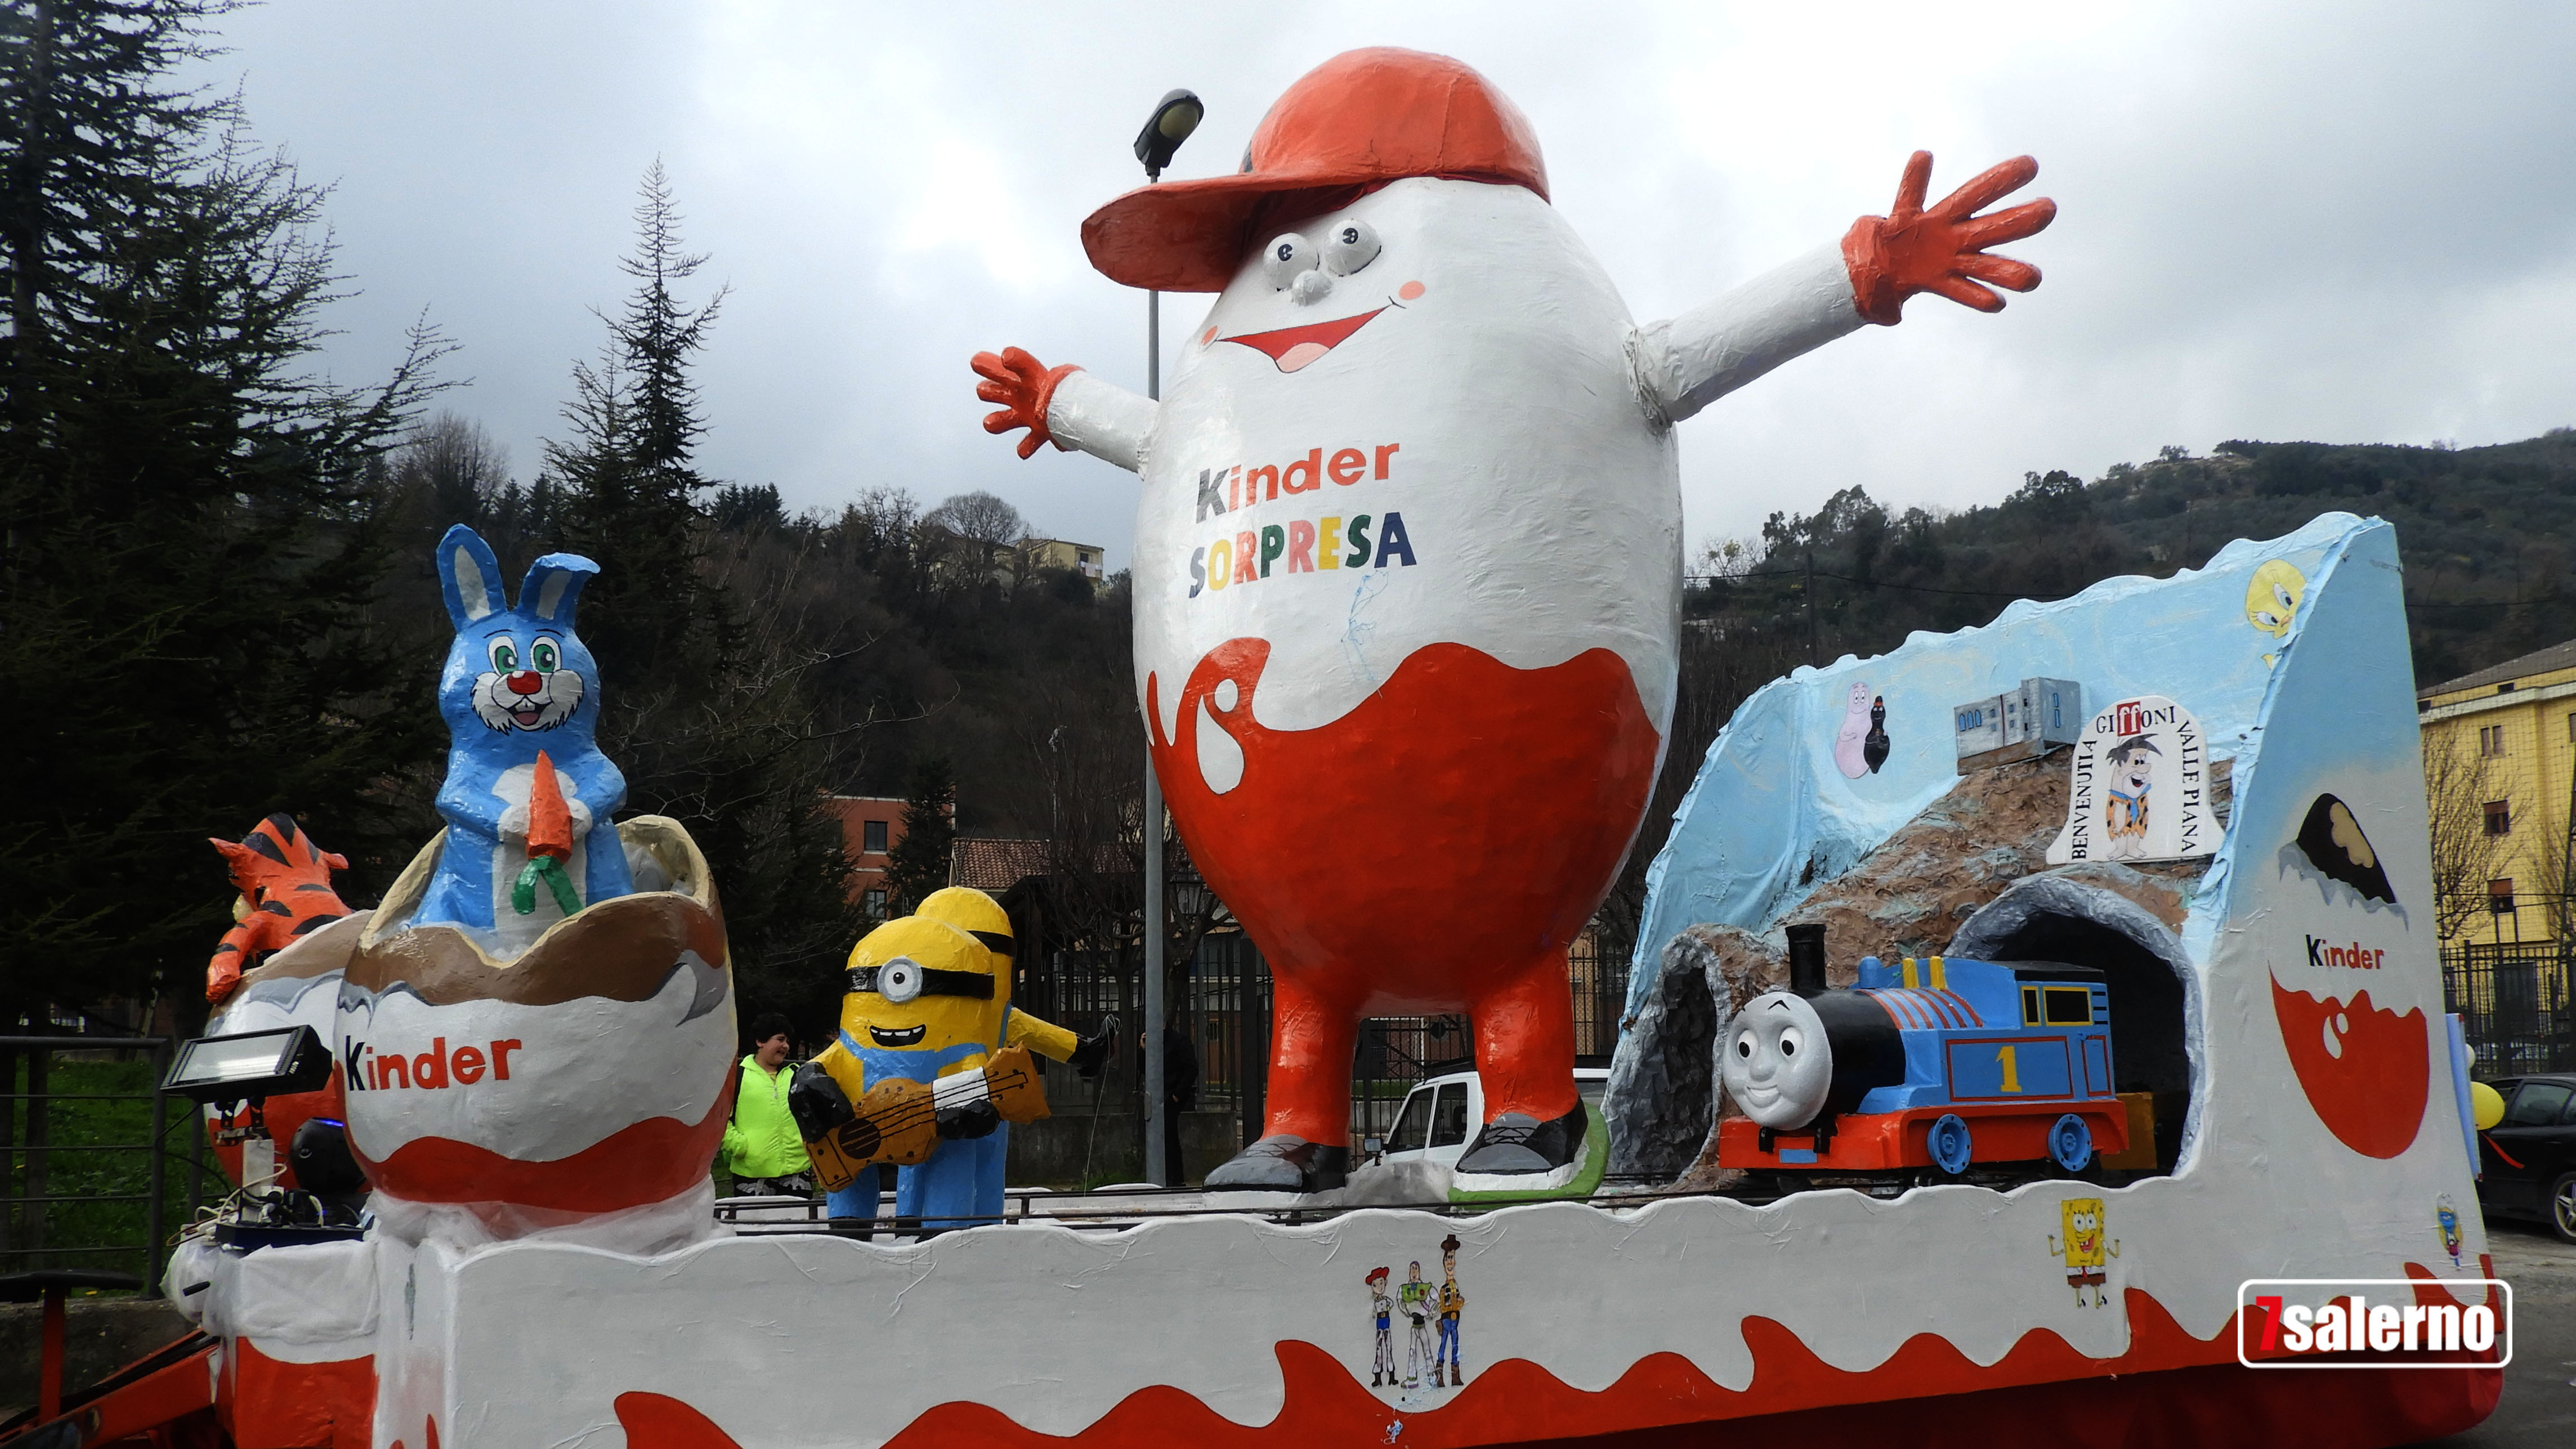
(520,1030)
(1408,558)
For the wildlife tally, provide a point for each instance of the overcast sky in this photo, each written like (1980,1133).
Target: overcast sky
(2349,222)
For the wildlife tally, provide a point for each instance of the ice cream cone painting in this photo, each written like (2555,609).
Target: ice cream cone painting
(1408,558)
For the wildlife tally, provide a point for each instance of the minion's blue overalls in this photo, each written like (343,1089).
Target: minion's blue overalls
(960,1185)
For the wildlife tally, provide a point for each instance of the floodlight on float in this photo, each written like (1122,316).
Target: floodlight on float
(1175,116)
(250,1066)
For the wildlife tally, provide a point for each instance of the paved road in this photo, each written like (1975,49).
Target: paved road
(2539,1407)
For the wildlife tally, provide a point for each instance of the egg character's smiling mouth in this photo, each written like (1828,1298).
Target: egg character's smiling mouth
(902,1037)
(1294,347)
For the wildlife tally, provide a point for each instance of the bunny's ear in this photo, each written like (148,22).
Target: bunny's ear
(554,585)
(470,577)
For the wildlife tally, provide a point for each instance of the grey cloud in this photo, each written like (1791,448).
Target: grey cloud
(2350,223)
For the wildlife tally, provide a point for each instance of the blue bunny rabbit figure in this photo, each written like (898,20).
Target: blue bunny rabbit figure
(518,681)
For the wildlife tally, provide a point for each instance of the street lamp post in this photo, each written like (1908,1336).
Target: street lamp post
(1175,116)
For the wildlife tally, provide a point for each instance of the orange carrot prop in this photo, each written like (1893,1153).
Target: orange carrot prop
(549,844)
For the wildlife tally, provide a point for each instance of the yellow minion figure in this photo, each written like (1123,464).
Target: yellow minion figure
(936,1061)
(2086,1252)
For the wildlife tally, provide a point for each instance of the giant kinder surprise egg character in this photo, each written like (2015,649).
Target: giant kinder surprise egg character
(1408,559)
(932,1060)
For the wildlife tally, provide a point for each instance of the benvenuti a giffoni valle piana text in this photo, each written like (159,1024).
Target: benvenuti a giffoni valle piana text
(1247,555)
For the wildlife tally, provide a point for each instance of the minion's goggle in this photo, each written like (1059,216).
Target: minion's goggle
(903,978)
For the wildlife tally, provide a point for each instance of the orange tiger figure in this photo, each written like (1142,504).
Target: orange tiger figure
(285,884)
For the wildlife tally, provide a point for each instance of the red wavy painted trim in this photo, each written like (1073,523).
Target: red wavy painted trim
(647,1162)
(330,1405)
(2041,1391)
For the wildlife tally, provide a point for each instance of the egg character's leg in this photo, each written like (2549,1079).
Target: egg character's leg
(1533,1128)
(1315,1024)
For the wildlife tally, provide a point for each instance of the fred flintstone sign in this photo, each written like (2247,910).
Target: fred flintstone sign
(2141,787)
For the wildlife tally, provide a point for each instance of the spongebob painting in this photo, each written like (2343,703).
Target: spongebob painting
(2087,1252)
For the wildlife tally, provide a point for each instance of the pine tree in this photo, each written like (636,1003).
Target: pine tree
(706,705)
(628,468)
(918,864)
(188,552)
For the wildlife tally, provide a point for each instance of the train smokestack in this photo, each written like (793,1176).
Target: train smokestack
(1807,959)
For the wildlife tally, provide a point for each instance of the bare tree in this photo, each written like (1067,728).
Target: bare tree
(981,530)
(980,517)
(2457,788)
(2548,857)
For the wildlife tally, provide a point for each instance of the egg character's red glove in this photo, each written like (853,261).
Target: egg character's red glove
(1942,250)
(1023,386)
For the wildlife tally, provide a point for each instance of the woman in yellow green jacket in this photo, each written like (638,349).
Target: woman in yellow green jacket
(761,1148)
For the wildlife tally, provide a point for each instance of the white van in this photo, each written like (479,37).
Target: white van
(1431,1132)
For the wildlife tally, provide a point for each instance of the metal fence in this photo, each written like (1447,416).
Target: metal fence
(73,1192)
(2514,1007)
(1223,1007)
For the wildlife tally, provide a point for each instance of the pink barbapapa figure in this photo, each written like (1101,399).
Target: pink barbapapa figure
(1408,559)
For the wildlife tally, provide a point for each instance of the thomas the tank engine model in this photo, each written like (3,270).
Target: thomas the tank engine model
(1927,1065)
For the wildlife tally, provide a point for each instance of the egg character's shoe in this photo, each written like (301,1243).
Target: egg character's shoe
(1283,1164)
(1518,1153)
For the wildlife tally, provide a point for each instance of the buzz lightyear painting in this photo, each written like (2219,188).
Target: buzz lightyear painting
(2085,1250)
(1420,1305)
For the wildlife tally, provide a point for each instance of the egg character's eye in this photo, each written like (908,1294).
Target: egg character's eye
(899,980)
(505,656)
(1350,246)
(1790,1040)
(542,657)
(1288,257)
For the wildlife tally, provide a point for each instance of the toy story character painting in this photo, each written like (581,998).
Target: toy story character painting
(1451,1302)
(1382,1369)
(1421,1306)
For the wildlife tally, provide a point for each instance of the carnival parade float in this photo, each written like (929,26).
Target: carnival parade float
(2006,1002)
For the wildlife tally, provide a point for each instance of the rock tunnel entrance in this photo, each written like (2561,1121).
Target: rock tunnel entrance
(2150,1049)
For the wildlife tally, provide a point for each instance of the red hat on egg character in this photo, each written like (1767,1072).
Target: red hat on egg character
(1354,123)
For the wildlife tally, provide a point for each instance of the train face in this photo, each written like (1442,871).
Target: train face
(1938,1064)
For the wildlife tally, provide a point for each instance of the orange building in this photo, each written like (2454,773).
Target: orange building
(870,826)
